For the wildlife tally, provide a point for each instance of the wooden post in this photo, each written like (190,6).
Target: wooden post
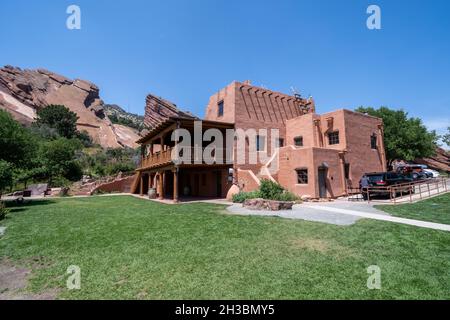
(142,185)
(175,185)
(160,186)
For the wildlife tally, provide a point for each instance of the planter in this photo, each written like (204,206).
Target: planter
(271,205)
(152,193)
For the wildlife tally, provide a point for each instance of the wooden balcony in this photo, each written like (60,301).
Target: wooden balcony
(157,159)
(160,159)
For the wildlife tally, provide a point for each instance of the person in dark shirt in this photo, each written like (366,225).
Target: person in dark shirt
(364,184)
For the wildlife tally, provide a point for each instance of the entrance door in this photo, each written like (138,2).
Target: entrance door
(322,182)
(219,184)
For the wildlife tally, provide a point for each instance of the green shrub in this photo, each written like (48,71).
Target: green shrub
(115,168)
(270,190)
(242,196)
(3,211)
(287,196)
(60,182)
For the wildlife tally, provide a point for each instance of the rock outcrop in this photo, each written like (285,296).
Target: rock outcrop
(158,110)
(440,161)
(24,92)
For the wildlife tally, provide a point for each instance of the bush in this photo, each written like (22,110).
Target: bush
(270,190)
(242,196)
(59,182)
(287,196)
(115,168)
(85,139)
(3,211)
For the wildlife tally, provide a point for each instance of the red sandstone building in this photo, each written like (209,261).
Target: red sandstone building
(320,156)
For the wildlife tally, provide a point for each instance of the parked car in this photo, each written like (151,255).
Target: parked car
(415,172)
(384,179)
(432,173)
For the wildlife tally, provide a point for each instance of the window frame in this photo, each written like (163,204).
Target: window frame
(258,143)
(304,172)
(220,108)
(374,139)
(298,138)
(333,138)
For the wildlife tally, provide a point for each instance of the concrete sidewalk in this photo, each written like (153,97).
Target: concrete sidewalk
(381,217)
(338,212)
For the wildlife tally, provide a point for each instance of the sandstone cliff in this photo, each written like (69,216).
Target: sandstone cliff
(23,92)
(440,161)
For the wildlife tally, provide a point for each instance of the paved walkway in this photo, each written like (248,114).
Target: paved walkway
(308,214)
(339,212)
(381,217)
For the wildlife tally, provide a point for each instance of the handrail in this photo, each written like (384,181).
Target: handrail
(165,156)
(435,185)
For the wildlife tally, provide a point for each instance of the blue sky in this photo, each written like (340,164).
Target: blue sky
(187,50)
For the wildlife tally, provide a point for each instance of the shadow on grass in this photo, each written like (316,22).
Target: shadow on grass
(22,206)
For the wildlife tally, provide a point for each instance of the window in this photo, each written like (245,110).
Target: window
(298,141)
(260,143)
(333,137)
(302,176)
(280,143)
(220,109)
(373,141)
(347,170)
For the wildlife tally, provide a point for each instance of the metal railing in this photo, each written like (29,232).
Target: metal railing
(416,190)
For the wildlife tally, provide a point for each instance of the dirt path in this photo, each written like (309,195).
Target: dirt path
(13,283)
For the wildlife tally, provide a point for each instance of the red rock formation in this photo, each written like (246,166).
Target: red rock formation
(157,110)
(23,92)
(440,161)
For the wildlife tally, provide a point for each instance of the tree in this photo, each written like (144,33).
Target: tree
(446,137)
(404,138)
(59,118)
(59,158)
(6,176)
(16,143)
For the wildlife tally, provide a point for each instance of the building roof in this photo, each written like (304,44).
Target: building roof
(184,122)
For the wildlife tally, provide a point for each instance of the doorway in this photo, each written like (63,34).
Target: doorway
(322,182)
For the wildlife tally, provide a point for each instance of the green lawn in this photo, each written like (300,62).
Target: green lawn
(129,248)
(434,210)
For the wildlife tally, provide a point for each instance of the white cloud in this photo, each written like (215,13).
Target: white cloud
(438,124)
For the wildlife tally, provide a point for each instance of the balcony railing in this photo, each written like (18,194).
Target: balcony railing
(165,157)
(157,159)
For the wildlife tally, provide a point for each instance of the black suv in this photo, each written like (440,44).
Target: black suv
(384,179)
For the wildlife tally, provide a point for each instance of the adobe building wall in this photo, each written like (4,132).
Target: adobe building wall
(334,177)
(296,158)
(360,155)
(251,107)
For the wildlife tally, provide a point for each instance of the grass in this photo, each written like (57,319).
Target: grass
(436,209)
(129,248)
